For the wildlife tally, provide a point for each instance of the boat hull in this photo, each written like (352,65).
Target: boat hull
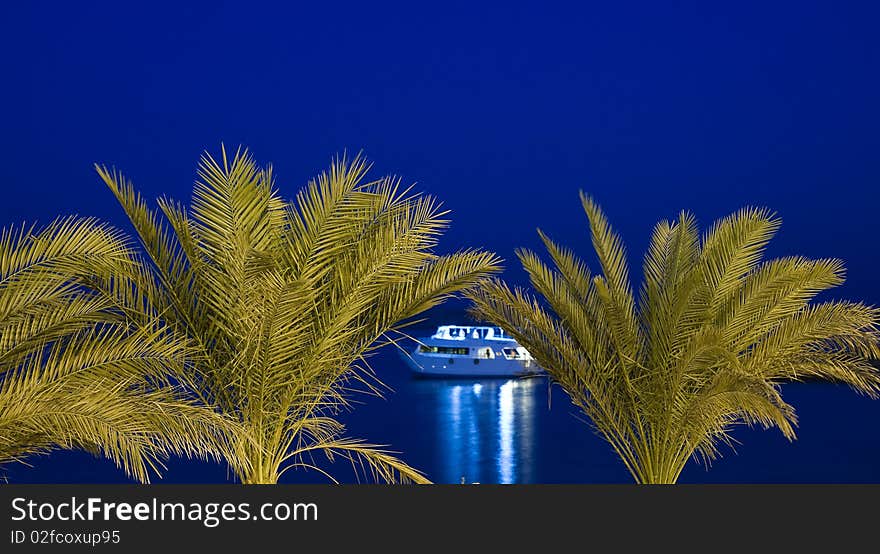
(449,367)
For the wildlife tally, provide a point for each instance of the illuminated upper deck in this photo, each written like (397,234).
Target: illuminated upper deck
(464,332)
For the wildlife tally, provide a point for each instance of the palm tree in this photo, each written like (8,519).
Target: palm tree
(713,335)
(281,303)
(73,372)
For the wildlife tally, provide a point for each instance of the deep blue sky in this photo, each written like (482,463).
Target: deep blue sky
(503,111)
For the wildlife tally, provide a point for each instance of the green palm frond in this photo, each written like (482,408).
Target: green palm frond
(74,373)
(280,303)
(714,333)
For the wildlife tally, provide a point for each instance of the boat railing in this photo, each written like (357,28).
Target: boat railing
(462,332)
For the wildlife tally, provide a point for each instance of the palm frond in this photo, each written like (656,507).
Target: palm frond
(74,371)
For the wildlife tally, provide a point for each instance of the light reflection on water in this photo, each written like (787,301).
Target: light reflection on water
(485,430)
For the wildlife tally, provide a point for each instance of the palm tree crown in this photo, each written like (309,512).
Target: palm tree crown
(281,302)
(73,372)
(713,334)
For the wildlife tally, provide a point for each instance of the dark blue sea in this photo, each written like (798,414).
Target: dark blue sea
(524,431)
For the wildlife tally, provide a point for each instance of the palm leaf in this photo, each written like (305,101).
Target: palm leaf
(73,372)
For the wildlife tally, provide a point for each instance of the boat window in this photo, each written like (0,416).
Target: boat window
(456,351)
(510,353)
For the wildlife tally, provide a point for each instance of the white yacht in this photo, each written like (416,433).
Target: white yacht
(469,351)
